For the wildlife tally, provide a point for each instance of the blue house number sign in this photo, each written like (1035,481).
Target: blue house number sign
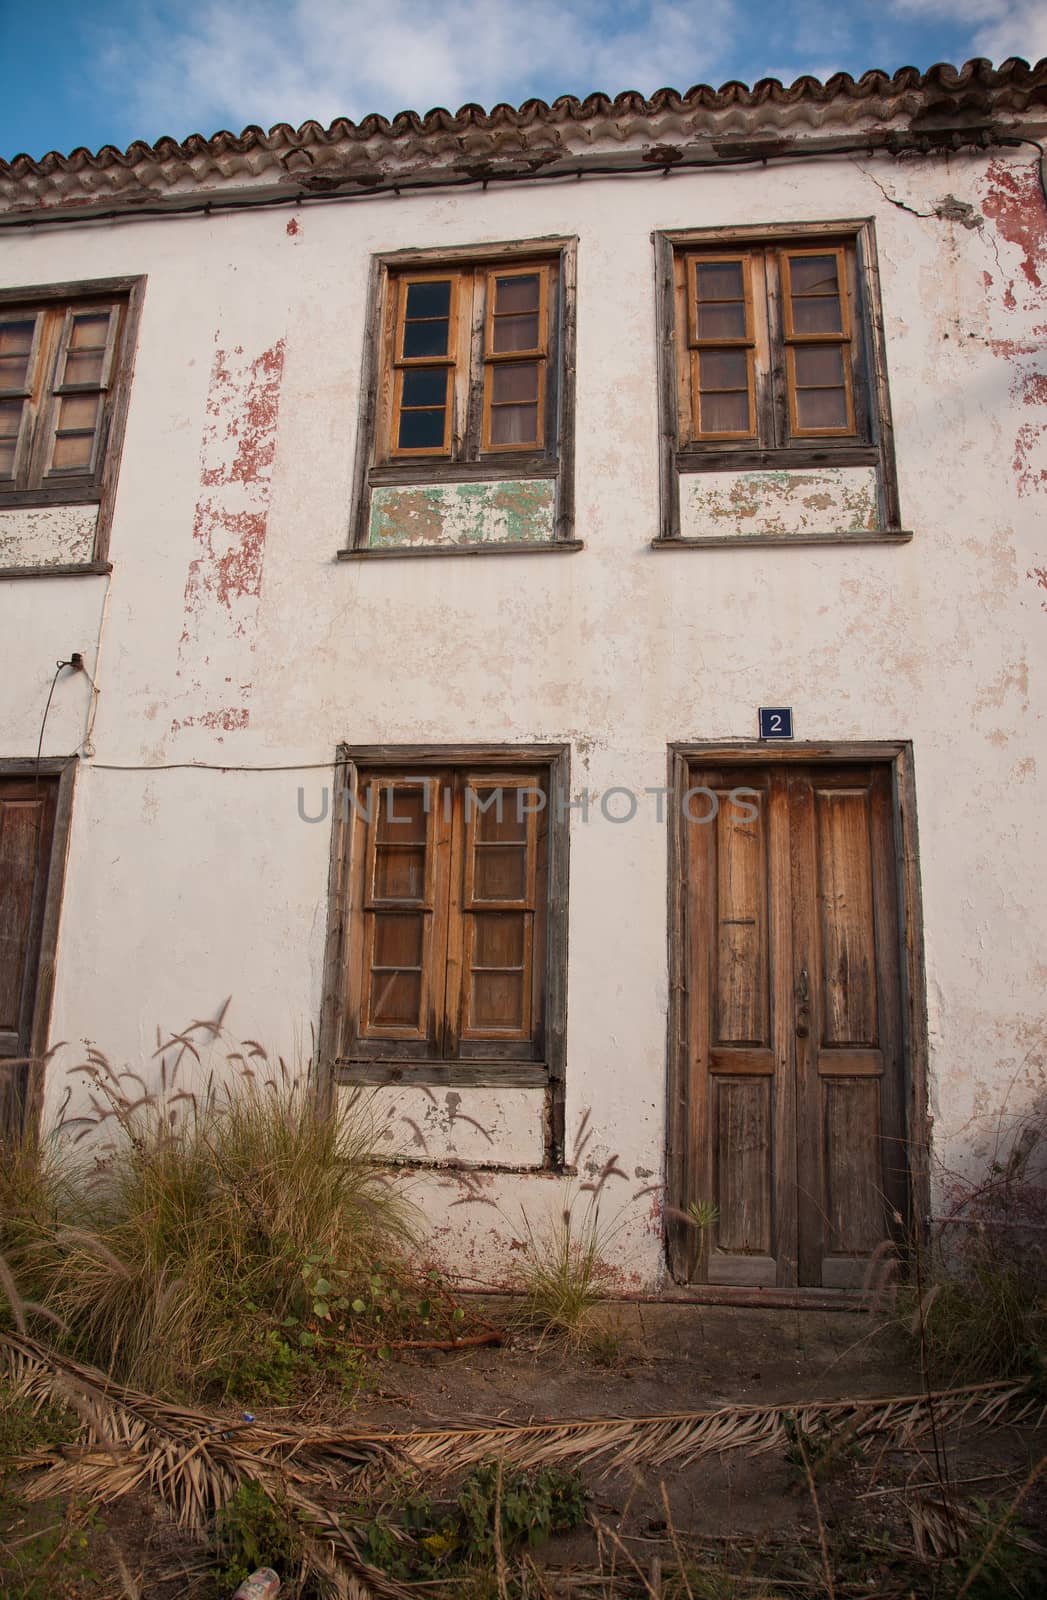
(776,722)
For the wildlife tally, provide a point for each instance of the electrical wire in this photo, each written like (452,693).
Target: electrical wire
(43,720)
(215,766)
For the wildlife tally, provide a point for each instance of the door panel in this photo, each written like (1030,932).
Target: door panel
(27,812)
(794,1084)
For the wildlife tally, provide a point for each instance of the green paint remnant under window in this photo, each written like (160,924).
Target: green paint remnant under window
(833,500)
(509,512)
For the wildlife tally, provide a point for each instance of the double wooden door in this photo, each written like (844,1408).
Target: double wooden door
(790,1112)
(27,819)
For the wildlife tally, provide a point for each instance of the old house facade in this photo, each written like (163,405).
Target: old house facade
(451,515)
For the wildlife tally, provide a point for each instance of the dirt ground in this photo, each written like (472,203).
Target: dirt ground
(655,1358)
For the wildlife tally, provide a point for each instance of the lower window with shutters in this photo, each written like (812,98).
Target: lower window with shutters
(447,947)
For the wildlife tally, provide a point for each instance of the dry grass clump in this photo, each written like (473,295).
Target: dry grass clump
(985,1313)
(563,1271)
(169,1228)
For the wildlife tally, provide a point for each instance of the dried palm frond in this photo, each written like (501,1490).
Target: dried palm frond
(680,1438)
(193,1461)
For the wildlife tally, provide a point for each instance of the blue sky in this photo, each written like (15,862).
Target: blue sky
(100,72)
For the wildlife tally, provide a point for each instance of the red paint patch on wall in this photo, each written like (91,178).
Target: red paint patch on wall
(1038,575)
(1015,203)
(228,719)
(242,414)
(230,524)
(293,227)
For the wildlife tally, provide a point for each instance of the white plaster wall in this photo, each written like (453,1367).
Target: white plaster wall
(246,644)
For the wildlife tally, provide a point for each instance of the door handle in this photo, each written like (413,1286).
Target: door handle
(803,1005)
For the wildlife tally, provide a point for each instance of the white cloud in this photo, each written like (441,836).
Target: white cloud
(1001,28)
(270,62)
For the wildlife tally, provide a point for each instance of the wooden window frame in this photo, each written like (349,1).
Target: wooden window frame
(898,756)
(778,443)
(481,1058)
(697,344)
(467,454)
(57,486)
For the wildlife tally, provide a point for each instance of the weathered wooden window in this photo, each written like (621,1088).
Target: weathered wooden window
(774,408)
(60,375)
(468,353)
(466,437)
(447,955)
(446,960)
(767,351)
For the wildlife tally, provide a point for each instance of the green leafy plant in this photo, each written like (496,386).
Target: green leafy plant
(497,1511)
(251,1531)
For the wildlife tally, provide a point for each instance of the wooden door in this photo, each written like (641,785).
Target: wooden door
(27,814)
(793,1136)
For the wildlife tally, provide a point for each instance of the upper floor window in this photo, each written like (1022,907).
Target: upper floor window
(61,372)
(770,355)
(468,426)
(439,373)
(774,380)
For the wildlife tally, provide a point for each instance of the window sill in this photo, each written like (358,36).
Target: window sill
(440,1074)
(77,569)
(59,494)
(729,541)
(519,548)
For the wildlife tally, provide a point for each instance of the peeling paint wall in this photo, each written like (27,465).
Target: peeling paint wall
(754,504)
(47,536)
(233,637)
(510,512)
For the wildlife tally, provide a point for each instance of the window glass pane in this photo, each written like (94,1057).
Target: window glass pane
(426,386)
(86,353)
(506,824)
(724,369)
(427,319)
(401,816)
(813,275)
(821,408)
(78,411)
(16,340)
(815,294)
(75,432)
(720,280)
(516,333)
(500,872)
(818,366)
(397,940)
(498,939)
(399,872)
(724,413)
(817,316)
(84,366)
(396,998)
(723,320)
(516,294)
(497,1000)
(421,430)
(10,418)
(428,300)
(514,381)
(514,424)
